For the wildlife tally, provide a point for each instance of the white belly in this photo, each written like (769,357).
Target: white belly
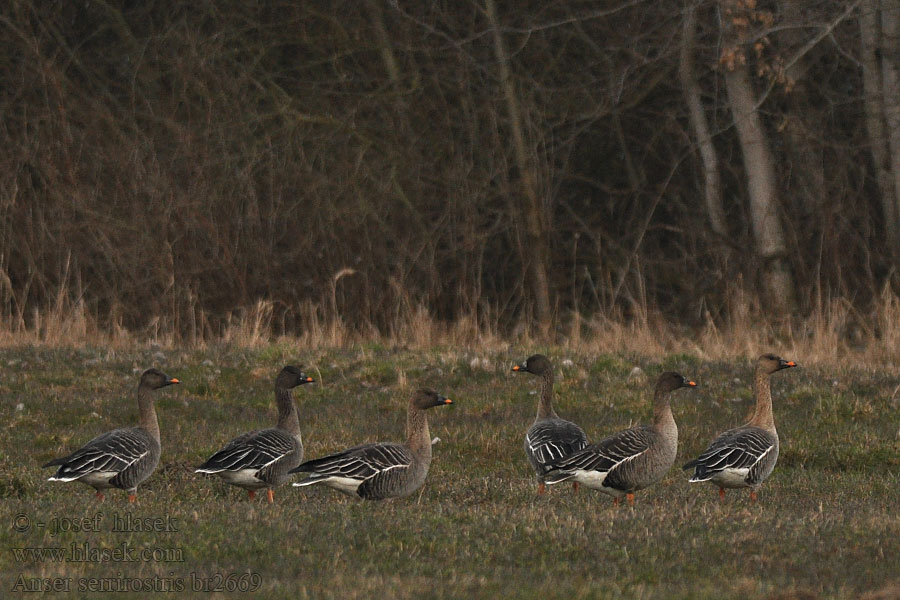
(731,478)
(245,478)
(594,480)
(98,480)
(343,484)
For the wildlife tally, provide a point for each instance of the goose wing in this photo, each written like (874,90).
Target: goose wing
(740,448)
(607,454)
(359,463)
(111,452)
(253,450)
(551,440)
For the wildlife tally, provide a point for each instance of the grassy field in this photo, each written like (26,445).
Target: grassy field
(827,524)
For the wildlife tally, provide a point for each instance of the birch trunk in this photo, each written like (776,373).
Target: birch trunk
(762,186)
(712,190)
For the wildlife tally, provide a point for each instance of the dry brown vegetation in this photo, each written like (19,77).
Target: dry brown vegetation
(836,334)
(196,171)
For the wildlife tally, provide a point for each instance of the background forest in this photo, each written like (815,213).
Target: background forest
(169,167)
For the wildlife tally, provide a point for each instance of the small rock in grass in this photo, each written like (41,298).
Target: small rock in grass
(20,406)
(568,362)
(207,363)
(635,372)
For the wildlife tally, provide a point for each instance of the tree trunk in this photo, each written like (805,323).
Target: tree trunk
(890,81)
(762,184)
(873,93)
(537,257)
(691,89)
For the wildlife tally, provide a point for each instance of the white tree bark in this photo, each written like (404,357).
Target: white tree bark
(691,90)
(762,184)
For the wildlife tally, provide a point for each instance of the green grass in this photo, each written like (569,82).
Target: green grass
(827,521)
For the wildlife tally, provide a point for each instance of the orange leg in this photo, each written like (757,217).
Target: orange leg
(132,498)
(271,494)
(542,488)
(574,486)
(100,496)
(722,493)
(615,501)
(252,494)
(630,497)
(752,496)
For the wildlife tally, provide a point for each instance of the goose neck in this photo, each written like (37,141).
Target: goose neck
(545,406)
(762,414)
(417,432)
(147,410)
(287,411)
(663,419)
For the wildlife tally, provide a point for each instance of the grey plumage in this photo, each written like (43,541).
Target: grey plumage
(629,460)
(382,470)
(549,438)
(263,458)
(744,448)
(122,458)
(745,456)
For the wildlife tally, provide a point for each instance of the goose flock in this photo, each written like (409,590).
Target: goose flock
(558,450)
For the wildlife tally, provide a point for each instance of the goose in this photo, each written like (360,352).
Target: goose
(745,456)
(382,470)
(261,459)
(632,459)
(121,458)
(549,438)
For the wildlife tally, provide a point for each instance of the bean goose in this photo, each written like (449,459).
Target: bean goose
(261,459)
(745,456)
(630,460)
(379,471)
(549,438)
(122,458)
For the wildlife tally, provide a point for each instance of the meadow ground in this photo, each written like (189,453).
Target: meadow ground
(827,524)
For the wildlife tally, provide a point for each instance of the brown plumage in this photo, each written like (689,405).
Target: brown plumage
(122,458)
(745,456)
(262,459)
(549,438)
(382,470)
(632,459)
